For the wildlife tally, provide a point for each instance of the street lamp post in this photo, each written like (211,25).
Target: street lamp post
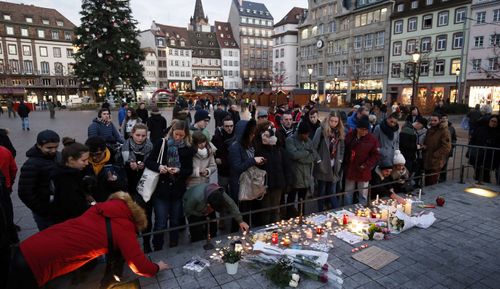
(310,71)
(416,73)
(457,73)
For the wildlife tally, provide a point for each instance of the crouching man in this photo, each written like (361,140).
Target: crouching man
(201,202)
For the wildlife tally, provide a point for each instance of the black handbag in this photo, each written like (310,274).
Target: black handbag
(114,267)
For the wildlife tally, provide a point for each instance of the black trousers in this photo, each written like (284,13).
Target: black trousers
(292,195)
(199,232)
(20,274)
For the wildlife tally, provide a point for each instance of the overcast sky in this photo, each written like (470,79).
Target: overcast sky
(170,12)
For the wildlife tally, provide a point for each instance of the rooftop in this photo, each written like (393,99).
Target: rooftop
(40,16)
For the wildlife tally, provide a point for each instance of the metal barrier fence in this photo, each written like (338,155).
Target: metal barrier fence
(468,163)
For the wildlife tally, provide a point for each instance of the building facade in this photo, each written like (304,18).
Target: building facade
(36,54)
(252,26)
(434,31)
(345,47)
(150,64)
(285,50)
(230,56)
(483,69)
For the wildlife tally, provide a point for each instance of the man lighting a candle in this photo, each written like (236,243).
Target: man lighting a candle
(201,202)
(379,182)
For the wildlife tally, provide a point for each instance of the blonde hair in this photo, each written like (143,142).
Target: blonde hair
(180,125)
(138,214)
(327,130)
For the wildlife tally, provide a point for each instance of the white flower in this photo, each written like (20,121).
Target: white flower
(293,283)
(296,277)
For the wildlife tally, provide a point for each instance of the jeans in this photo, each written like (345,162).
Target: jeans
(25,122)
(327,188)
(42,222)
(362,192)
(166,211)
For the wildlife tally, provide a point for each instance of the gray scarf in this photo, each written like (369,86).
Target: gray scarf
(130,150)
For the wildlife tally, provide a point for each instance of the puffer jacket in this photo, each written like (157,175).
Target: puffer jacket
(107,131)
(34,189)
(303,156)
(323,171)
(437,147)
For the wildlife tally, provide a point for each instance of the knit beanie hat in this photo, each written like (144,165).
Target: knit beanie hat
(47,136)
(363,122)
(385,164)
(399,159)
(303,128)
(200,115)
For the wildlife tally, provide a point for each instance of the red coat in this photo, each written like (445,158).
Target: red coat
(8,167)
(65,247)
(360,152)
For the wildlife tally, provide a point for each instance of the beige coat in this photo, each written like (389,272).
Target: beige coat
(437,147)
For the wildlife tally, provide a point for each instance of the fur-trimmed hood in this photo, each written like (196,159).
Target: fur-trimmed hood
(129,210)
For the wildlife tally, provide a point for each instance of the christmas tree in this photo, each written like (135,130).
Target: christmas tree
(109,53)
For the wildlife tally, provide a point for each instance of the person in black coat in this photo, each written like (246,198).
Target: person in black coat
(5,141)
(34,189)
(222,139)
(175,168)
(71,197)
(483,160)
(23,112)
(277,168)
(235,115)
(8,235)
(157,125)
(104,175)
(142,112)
(220,114)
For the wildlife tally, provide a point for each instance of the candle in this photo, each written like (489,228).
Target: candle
(238,247)
(385,214)
(274,238)
(399,207)
(407,208)
(420,194)
(319,230)
(309,234)
(377,216)
(359,213)
(286,242)
(376,200)
(295,237)
(345,220)
(368,212)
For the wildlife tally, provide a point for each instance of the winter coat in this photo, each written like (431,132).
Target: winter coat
(313,127)
(122,114)
(8,168)
(34,190)
(360,152)
(421,140)
(387,146)
(203,131)
(219,115)
(303,156)
(127,125)
(107,131)
(408,142)
(488,137)
(143,114)
(69,193)
(378,181)
(239,159)
(98,185)
(200,164)
(8,236)
(235,115)
(171,187)
(195,202)
(284,133)
(324,171)
(352,121)
(222,141)
(277,165)
(437,147)
(64,247)
(157,126)
(453,135)
(5,141)
(23,110)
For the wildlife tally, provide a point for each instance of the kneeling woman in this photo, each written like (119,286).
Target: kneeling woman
(175,168)
(65,247)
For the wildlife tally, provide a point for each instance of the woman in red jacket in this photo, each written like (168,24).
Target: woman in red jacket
(361,156)
(65,247)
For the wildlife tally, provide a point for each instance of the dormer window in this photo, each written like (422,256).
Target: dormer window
(218,27)
(221,35)
(6,17)
(29,20)
(45,21)
(60,23)
(183,43)
(172,41)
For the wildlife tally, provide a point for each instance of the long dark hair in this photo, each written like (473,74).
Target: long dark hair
(72,149)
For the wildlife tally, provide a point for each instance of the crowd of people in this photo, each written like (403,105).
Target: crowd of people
(202,175)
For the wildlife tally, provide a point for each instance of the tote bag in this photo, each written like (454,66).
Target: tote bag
(149,179)
(252,184)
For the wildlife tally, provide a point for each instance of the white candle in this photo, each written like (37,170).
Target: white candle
(407,208)
(309,234)
(420,194)
(385,214)
(376,200)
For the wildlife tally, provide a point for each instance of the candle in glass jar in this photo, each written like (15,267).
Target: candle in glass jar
(407,208)
(286,242)
(319,230)
(295,237)
(309,234)
(274,238)
(384,215)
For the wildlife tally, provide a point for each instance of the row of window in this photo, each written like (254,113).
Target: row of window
(29,19)
(231,63)
(161,42)
(324,11)
(231,73)
(255,73)
(258,64)
(441,44)
(43,51)
(479,66)
(43,81)
(257,42)
(414,4)
(55,34)
(256,21)
(425,68)
(320,29)
(367,41)
(207,72)
(181,73)
(370,17)
(179,52)
(427,21)
(481,16)
(231,53)
(14,66)
(256,31)
(279,53)
(255,53)
(202,61)
(357,68)
(494,41)
(181,63)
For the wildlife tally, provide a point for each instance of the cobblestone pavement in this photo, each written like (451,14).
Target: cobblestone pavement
(458,251)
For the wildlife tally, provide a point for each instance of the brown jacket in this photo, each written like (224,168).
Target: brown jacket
(437,147)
